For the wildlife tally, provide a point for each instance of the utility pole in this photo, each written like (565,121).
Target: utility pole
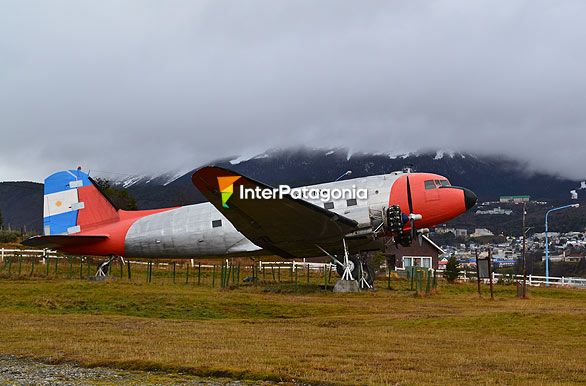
(524,251)
(478,274)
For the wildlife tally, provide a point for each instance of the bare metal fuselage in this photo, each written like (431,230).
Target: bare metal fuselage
(188,231)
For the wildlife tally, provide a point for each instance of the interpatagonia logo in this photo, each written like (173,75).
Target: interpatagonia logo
(226,185)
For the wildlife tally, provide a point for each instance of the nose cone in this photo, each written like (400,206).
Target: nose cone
(469,198)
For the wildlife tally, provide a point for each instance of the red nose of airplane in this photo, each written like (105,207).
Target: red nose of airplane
(432,196)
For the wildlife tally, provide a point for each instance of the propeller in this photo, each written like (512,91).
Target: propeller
(412,216)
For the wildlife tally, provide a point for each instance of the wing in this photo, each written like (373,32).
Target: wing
(285,226)
(63,241)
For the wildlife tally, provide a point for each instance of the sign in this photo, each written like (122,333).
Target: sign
(483,271)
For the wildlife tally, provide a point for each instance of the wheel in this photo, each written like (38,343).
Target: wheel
(353,261)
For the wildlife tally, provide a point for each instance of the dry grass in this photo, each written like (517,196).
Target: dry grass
(385,337)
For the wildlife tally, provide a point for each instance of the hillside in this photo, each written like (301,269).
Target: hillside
(21,205)
(489,177)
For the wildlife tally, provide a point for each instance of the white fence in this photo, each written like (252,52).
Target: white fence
(40,253)
(295,265)
(532,280)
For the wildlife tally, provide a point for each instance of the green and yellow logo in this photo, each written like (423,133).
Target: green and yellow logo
(226,185)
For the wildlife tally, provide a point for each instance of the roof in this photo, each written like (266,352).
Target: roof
(434,245)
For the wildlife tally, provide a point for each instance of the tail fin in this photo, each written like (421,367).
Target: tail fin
(74,203)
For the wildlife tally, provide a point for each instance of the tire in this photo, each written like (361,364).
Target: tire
(354,265)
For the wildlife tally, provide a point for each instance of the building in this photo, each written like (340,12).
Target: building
(514,199)
(481,232)
(496,211)
(424,255)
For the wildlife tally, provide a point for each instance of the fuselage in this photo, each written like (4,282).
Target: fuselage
(200,230)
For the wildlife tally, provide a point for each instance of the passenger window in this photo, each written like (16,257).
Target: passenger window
(351,202)
(216,223)
(329,205)
(429,184)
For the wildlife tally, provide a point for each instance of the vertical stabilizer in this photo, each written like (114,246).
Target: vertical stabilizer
(73,203)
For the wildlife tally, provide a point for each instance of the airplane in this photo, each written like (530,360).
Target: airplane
(80,219)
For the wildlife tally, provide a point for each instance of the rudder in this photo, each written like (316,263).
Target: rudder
(73,203)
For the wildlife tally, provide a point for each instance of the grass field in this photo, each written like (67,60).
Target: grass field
(300,333)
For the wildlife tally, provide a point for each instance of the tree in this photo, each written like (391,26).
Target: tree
(119,196)
(452,269)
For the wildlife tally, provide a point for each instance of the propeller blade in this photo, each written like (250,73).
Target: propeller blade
(410,202)
(409,198)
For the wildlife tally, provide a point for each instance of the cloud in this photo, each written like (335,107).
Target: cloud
(139,87)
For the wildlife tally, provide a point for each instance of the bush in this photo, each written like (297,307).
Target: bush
(452,269)
(9,236)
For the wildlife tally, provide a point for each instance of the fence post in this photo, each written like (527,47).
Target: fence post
(428,285)
(434,285)
(32,265)
(47,262)
(187,274)
(307,273)
(174,268)
(214,276)
(19,264)
(128,269)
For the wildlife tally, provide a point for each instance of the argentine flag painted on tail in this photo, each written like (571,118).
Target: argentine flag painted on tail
(61,201)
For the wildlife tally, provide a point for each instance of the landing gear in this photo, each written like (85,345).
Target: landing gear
(367,275)
(353,269)
(103,269)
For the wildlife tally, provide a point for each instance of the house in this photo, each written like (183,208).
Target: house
(481,232)
(422,255)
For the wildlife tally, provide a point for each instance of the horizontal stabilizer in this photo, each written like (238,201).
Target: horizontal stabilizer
(63,241)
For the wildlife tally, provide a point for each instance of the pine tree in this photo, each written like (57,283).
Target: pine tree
(452,269)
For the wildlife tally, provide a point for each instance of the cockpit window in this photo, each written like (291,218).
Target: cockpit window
(429,184)
(445,183)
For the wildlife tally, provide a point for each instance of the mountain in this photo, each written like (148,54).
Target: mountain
(21,205)
(488,177)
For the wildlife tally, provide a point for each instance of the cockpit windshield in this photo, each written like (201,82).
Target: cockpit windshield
(433,184)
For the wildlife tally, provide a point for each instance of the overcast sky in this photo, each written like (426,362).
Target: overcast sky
(150,86)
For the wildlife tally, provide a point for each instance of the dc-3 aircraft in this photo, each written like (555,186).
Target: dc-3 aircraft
(246,217)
